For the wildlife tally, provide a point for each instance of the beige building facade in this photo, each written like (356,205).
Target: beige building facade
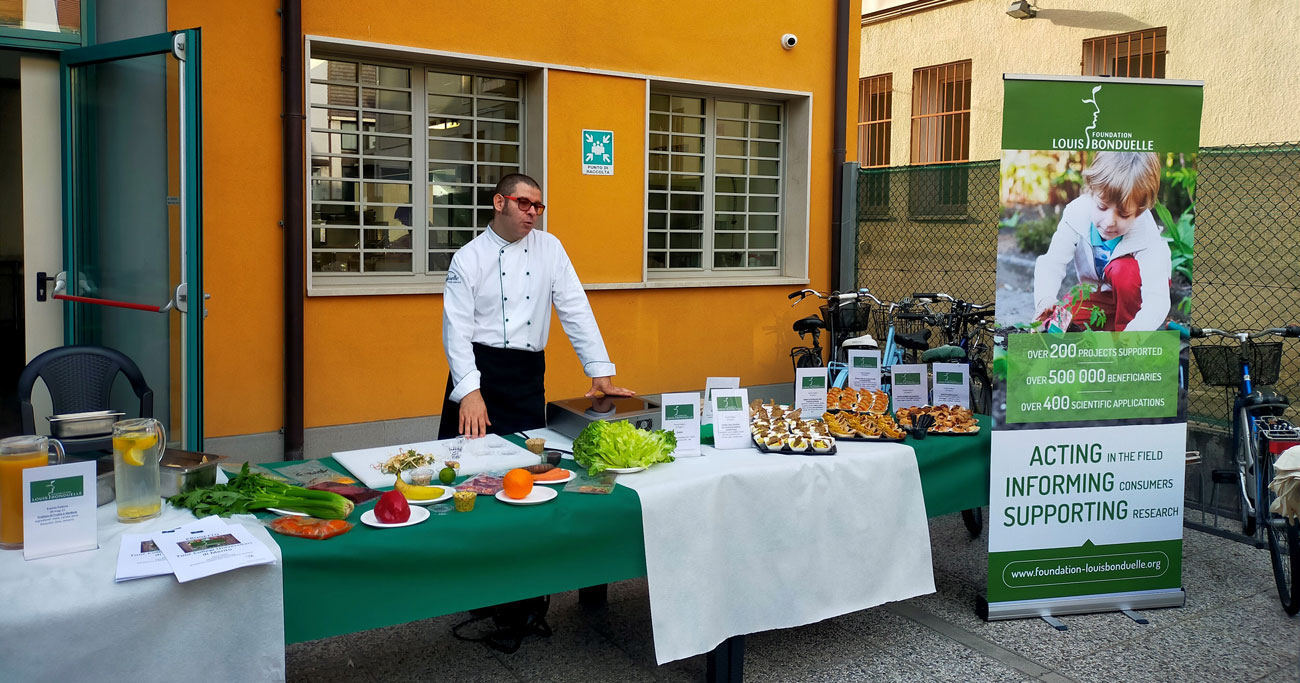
(1243,50)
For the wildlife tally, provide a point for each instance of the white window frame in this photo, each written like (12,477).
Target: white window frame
(421,280)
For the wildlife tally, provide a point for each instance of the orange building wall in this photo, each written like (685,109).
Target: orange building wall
(380,357)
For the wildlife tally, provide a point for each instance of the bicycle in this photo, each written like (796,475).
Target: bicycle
(1257,412)
(841,316)
(964,330)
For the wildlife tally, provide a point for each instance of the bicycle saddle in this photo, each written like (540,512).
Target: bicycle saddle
(1265,396)
(806,325)
(943,353)
(916,341)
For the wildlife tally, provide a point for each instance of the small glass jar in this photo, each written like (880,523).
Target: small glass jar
(464,500)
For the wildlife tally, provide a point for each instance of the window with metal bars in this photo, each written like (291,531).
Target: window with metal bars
(1139,54)
(941,113)
(403,161)
(875,105)
(875,110)
(941,97)
(715,185)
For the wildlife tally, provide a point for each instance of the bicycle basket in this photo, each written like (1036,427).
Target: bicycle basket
(1219,365)
(850,316)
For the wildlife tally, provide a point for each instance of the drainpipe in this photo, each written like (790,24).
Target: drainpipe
(843,22)
(294,218)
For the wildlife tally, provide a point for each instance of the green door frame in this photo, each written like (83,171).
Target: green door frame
(184,45)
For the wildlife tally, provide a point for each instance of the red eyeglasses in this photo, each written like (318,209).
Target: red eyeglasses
(525,204)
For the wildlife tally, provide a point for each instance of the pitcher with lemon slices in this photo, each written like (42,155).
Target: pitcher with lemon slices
(138,446)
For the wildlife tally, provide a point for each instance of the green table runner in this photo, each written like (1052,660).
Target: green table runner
(954,470)
(458,561)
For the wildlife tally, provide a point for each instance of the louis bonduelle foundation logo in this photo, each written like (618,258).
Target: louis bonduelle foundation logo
(1103,140)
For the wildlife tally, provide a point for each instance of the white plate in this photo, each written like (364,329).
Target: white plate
(418,514)
(537,495)
(287,513)
(447,493)
(624,470)
(572,474)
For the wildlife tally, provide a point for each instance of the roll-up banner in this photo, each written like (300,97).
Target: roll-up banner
(1094,277)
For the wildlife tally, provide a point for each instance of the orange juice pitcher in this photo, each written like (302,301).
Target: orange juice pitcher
(18,453)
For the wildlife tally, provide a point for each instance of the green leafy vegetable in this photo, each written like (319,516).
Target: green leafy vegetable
(251,491)
(603,445)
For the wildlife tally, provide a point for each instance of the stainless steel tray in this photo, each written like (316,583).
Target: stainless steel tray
(183,471)
(74,425)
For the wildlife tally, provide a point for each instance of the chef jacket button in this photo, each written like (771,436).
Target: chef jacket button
(528,297)
(505,298)
(530,322)
(527,273)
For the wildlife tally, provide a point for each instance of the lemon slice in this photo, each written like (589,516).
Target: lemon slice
(133,456)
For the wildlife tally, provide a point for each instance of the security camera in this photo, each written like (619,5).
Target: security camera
(789,40)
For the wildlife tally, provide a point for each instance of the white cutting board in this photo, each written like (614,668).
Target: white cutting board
(491,453)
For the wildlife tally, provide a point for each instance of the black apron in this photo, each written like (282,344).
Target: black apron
(513,385)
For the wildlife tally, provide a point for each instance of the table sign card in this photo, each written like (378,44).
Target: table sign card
(138,557)
(864,370)
(681,414)
(910,387)
(810,392)
(731,418)
(59,509)
(951,384)
(716,383)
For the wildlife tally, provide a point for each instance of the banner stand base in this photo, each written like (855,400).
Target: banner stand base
(1083,604)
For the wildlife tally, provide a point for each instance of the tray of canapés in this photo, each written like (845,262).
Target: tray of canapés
(777,429)
(863,426)
(948,420)
(848,399)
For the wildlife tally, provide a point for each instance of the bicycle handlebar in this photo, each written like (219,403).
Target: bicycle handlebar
(912,316)
(1202,332)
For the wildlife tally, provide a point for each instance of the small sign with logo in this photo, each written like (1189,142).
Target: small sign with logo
(910,387)
(59,509)
(810,392)
(730,418)
(597,152)
(864,370)
(712,383)
(952,384)
(681,415)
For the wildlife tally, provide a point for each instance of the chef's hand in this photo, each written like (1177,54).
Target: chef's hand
(602,386)
(473,415)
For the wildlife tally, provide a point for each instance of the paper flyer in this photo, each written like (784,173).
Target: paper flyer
(210,546)
(731,418)
(680,413)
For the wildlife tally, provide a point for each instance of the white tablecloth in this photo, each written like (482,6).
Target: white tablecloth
(64,618)
(739,542)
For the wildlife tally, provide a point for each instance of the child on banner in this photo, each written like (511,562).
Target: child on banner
(1118,252)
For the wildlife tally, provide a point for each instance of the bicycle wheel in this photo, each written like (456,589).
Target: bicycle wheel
(1283,547)
(981,390)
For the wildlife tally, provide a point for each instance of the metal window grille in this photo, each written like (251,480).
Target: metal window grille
(941,113)
(1139,54)
(715,184)
(475,138)
(376,128)
(875,107)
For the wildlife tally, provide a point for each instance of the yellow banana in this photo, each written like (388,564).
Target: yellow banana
(413,492)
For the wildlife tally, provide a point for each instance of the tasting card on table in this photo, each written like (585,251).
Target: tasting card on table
(210,546)
(712,383)
(810,391)
(864,370)
(59,509)
(910,387)
(952,384)
(731,418)
(681,415)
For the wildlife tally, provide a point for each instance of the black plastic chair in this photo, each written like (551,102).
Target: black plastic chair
(79,379)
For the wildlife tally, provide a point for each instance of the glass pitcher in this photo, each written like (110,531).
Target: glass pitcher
(138,446)
(18,453)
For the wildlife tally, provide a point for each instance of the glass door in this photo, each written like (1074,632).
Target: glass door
(131,216)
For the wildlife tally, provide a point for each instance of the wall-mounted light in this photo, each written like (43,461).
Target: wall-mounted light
(1021,9)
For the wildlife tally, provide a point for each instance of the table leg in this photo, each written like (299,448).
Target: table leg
(593,596)
(726,663)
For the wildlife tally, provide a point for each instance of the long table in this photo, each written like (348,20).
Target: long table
(500,553)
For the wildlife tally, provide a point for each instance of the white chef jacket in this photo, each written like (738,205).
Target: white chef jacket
(499,294)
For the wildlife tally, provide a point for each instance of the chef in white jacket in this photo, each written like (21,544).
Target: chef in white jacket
(497,315)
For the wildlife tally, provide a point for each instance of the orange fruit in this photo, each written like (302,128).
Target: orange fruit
(518,483)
